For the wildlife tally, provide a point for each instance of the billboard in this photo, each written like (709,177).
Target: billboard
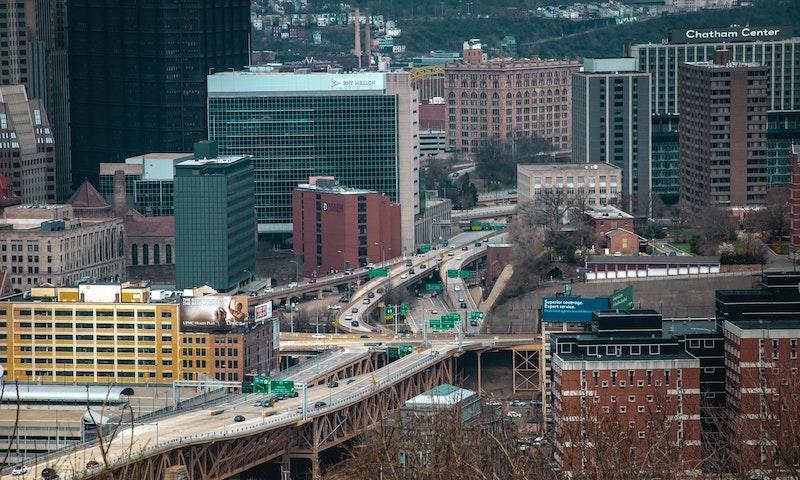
(213,312)
(263,311)
(731,34)
(571,309)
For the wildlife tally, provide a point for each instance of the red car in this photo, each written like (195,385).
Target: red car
(312,280)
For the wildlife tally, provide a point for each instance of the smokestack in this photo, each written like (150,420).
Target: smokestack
(357,50)
(120,201)
(368,40)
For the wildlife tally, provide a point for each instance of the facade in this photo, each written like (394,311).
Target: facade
(215,234)
(27,151)
(149,247)
(762,383)
(633,382)
(723,133)
(783,130)
(336,228)
(359,127)
(149,181)
(794,197)
(137,73)
(639,266)
(621,241)
(34,48)
(593,185)
(104,333)
(504,98)
(611,124)
(47,244)
(666,165)
(777,298)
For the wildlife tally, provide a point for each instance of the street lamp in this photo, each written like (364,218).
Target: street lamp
(344,261)
(383,257)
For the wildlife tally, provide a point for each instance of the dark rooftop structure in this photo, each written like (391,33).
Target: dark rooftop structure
(778,297)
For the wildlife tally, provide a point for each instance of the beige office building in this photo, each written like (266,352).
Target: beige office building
(594,184)
(47,244)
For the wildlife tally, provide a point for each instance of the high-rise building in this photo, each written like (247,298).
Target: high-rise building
(215,232)
(666,167)
(723,133)
(773,47)
(336,228)
(34,48)
(611,124)
(27,150)
(360,128)
(505,97)
(625,381)
(794,196)
(138,72)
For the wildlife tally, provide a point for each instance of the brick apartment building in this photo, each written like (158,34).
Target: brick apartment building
(625,382)
(336,228)
(794,199)
(723,161)
(502,98)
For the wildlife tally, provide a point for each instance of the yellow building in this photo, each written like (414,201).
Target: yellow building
(93,333)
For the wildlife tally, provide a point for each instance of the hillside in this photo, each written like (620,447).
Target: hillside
(610,41)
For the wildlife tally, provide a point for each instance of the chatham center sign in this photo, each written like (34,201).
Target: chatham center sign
(731,34)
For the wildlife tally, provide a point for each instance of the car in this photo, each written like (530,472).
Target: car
(404,276)
(409,263)
(348,317)
(380,290)
(473,323)
(354,310)
(334,307)
(312,280)
(333,384)
(365,301)
(464,248)
(320,404)
(412,271)
(423,266)
(434,353)
(354,323)
(493,403)
(369,266)
(292,284)
(258,403)
(375,330)
(371,295)
(457,288)
(458,257)
(351,380)
(92,464)
(434,312)
(348,271)
(478,244)
(518,403)
(269,290)
(365,336)
(513,414)
(460,300)
(450,254)
(463,305)
(318,336)
(238,418)
(20,470)
(445,243)
(49,473)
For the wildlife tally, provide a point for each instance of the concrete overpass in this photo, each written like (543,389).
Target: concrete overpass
(492,212)
(218,447)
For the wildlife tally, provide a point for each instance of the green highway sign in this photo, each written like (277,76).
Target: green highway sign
(281,387)
(261,384)
(465,273)
(452,273)
(390,310)
(451,317)
(434,287)
(424,248)
(435,324)
(621,299)
(404,308)
(476,315)
(378,272)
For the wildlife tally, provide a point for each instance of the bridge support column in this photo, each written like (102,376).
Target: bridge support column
(480,390)
(286,467)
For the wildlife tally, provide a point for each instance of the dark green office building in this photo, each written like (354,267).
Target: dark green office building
(215,223)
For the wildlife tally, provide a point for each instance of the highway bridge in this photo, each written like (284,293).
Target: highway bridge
(218,447)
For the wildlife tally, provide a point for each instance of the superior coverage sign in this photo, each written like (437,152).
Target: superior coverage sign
(731,34)
(571,309)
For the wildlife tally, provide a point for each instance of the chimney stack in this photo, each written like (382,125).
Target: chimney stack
(120,200)
(368,40)
(357,50)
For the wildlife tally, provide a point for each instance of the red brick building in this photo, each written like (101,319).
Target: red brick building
(337,228)
(762,382)
(624,383)
(505,97)
(794,168)
(605,218)
(622,241)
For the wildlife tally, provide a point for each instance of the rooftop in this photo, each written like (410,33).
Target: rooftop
(86,196)
(768,324)
(653,259)
(334,189)
(607,211)
(138,225)
(80,394)
(223,160)
(580,357)
(727,65)
(443,395)
(678,327)
(568,167)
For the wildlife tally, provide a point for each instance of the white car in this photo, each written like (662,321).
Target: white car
(334,307)
(20,470)
(513,414)
(404,276)
(492,403)
(434,312)
(292,284)
(348,317)
(450,254)
(318,336)
(460,300)
(458,288)
(269,290)
(458,257)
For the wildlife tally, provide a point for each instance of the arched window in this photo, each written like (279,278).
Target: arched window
(134,254)
(169,254)
(145,254)
(156,254)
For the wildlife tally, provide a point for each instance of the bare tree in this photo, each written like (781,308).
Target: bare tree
(714,225)
(773,219)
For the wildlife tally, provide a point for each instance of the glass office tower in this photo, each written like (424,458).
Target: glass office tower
(360,128)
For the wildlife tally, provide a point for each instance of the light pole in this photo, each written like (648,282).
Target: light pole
(296,270)
(383,257)
(344,261)
(291,316)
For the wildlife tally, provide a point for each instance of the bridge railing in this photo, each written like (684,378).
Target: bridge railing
(267,422)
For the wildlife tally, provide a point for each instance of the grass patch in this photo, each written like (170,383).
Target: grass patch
(684,247)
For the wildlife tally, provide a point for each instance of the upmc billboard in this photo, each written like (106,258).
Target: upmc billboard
(571,309)
(730,34)
(213,312)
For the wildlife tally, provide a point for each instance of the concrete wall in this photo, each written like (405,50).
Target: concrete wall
(674,297)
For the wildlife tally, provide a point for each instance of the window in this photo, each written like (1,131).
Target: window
(623,409)
(134,254)
(631,398)
(641,435)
